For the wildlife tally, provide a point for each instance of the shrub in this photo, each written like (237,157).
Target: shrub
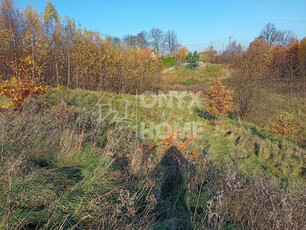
(219,99)
(175,148)
(169,61)
(285,126)
(206,115)
(223,199)
(246,92)
(18,91)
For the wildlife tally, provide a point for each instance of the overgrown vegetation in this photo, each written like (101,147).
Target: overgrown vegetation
(62,168)
(83,155)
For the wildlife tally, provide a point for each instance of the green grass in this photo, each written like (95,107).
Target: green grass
(214,70)
(222,148)
(186,79)
(189,82)
(80,184)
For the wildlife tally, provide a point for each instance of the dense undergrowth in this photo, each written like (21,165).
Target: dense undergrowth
(62,168)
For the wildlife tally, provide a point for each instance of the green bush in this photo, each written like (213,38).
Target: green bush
(169,61)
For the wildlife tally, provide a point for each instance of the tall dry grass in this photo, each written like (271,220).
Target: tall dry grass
(62,169)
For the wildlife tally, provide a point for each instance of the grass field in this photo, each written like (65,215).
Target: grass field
(77,159)
(227,140)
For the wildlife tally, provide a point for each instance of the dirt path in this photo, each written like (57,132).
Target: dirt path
(168,70)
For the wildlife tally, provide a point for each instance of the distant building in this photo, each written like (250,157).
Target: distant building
(150,53)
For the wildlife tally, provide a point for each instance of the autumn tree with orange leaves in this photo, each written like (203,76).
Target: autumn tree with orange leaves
(18,91)
(58,53)
(302,59)
(181,55)
(219,99)
(21,67)
(278,61)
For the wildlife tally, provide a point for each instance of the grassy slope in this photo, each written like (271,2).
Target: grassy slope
(251,148)
(270,104)
(81,184)
(195,80)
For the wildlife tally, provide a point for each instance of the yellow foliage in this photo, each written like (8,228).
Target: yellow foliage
(285,126)
(219,99)
(182,54)
(18,91)
(62,88)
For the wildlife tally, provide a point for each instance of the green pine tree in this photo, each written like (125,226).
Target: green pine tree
(192,60)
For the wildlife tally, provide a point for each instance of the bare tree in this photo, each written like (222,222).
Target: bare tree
(142,41)
(130,40)
(232,50)
(286,37)
(170,42)
(157,39)
(270,35)
(246,91)
(115,41)
(273,36)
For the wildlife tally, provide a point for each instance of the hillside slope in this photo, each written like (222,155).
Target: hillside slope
(63,167)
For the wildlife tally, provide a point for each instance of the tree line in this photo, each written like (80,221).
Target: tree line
(58,52)
(275,58)
(166,43)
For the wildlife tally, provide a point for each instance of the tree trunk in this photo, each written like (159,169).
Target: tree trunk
(33,57)
(68,74)
(291,72)
(304,77)
(56,71)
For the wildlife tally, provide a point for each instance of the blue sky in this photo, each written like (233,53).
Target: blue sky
(196,22)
